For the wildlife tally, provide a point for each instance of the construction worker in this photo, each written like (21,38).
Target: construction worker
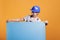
(30,18)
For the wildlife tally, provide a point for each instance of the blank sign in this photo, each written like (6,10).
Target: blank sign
(25,31)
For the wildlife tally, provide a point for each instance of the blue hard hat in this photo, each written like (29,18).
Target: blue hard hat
(35,9)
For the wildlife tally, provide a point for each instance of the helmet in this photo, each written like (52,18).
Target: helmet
(35,9)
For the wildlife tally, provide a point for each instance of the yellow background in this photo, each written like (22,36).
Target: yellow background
(50,10)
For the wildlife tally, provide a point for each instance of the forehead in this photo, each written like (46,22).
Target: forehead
(35,13)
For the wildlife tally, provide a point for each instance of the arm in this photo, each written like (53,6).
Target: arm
(16,20)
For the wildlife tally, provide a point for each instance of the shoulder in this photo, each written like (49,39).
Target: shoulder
(26,17)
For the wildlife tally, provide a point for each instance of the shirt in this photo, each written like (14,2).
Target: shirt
(31,19)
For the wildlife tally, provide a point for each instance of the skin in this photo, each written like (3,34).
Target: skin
(35,14)
(21,19)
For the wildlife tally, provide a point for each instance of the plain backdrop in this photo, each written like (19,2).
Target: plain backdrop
(50,10)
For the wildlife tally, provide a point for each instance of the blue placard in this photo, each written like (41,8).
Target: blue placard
(25,31)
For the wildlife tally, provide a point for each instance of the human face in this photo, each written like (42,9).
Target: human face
(35,14)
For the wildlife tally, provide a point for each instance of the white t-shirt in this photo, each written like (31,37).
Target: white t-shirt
(31,19)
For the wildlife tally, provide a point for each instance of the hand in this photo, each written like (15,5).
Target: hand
(7,21)
(46,22)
